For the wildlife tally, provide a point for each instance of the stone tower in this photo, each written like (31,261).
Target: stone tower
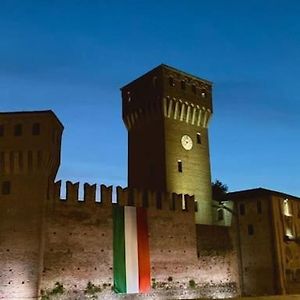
(30,145)
(166,112)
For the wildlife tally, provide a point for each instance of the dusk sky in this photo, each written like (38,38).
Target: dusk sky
(73,56)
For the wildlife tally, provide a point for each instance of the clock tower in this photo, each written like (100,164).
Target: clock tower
(166,112)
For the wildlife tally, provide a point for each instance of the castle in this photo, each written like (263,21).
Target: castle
(161,237)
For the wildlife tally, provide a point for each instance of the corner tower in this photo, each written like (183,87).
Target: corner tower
(30,145)
(166,112)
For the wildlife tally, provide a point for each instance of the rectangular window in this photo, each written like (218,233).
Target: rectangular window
(21,160)
(198,138)
(6,188)
(259,208)
(250,229)
(242,209)
(179,166)
(1,130)
(2,160)
(196,206)
(18,130)
(194,89)
(220,214)
(183,84)
(36,129)
(30,160)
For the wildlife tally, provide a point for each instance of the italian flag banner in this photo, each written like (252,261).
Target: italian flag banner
(131,250)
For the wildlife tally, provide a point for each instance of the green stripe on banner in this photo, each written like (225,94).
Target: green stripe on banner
(119,250)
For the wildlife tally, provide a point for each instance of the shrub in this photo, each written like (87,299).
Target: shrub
(192,283)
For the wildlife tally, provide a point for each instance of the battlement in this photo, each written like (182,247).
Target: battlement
(121,196)
(178,109)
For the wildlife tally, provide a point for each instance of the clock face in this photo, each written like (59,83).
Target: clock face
(186,142)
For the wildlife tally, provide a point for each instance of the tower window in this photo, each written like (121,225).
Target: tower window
(128,97)
(183,84)
(1,130)
(179,166)
(6,188)
(36,129)
(18,130)
(203,94)
(259,208)
(198,138)
(250,229)
(242,209)
(154,81)
(194,89)
(171,81)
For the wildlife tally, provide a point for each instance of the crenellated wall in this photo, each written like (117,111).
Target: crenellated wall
(78,243)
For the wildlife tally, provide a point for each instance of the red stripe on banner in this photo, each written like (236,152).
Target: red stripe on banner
(143,250)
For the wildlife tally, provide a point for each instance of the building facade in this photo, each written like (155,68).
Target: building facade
(268,227)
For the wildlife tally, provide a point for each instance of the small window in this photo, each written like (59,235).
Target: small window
(128,97)
(194,89)
(220,214)
(21,160)
(198,138)
(18,130)
(196,206)
(154,81)
(36,129)
(179,166)
(30,160)
(250,229)
(6,188)
(242,209)
(171,81)
(203,94)
(259,208)
(183,84)
(1,130)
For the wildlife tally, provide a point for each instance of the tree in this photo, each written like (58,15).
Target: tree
(219,190)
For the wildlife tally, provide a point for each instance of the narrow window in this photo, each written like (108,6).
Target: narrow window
(259,209)
(36,129)
(6,188)
(39,158)
(220,214)
(179,166)
(128,96)
(21,161)
(242,209)
(1,130)
(183,84)
(196,206)
(18,130)
(171,81)
(154,81)
(250,229)
(198,138)
(203,94)
(2,159)
(194,89)
(30,160)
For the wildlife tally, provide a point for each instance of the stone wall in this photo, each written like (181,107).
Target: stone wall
(73,246)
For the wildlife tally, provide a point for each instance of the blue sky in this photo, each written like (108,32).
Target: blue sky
(73,56)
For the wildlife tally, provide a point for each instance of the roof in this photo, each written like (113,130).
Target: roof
(164,66)
(36,112)
(243,194)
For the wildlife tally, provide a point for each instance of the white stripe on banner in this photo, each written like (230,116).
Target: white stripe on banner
(131,250)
